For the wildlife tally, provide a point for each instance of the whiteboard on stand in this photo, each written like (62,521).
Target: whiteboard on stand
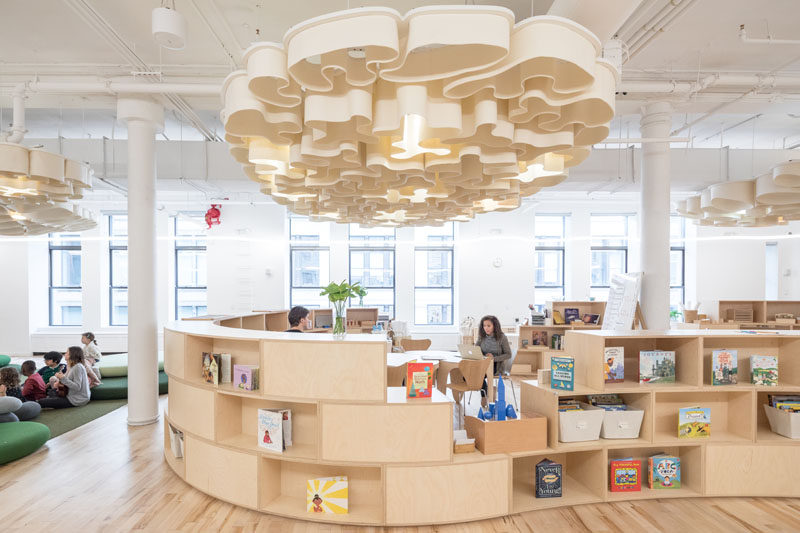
(623,298)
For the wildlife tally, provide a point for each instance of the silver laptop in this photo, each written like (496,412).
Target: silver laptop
(468,351)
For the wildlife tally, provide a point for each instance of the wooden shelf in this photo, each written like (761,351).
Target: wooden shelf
(582,480)
(652,494)
(295,507)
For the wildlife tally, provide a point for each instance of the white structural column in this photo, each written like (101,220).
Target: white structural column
(144,118)
(654,210)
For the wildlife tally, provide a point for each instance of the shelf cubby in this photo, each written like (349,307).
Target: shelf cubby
(763,431)
(176,463)
(691,457)
(257,322)
(732,417)
(282,491)
(582,474)
(236,425)
(745,347)
(243,352)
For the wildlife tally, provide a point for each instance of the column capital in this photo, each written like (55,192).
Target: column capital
(142,108)
(656,112)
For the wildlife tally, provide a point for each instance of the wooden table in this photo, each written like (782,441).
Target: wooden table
(449,360)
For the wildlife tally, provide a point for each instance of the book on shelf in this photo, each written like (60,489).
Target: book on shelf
(562,373)
(225,368)
(176,441)
(558,318)
(694,422)
(211,368)
(590,318)
(419,380)
(656,366)
(556,340)
(626,475)
(664,472)
(764,370)
(327,495)
(548,479)
(569,404)
(784,402)
(275,429)
(614,364)
(245,377)
(608,402)
(724,367)
(539,338)
(572,314)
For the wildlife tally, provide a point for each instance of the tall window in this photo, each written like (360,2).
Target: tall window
(190,265)
(310,262)
(65,280)
(677,262)
(610,234)
(548,258)
(118,270)
(433,275)
(372,265)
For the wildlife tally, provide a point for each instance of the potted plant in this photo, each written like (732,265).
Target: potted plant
(360,292)
(337,294)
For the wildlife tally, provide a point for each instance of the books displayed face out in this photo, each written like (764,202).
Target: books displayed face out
(562,373)
(245,377)
(694,423)
(224,368)
(556,341)
(548,479)
(764,370)
(590,318)
(211,363)
(724,367)
(614,364)
(539,338)
(572,314)
(626,475)
(656,366)
(557,318)
(327,495)
(419,380)
(664,472)
(275,429)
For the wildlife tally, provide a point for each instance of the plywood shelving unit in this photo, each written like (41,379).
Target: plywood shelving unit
(538,355)
(763,313)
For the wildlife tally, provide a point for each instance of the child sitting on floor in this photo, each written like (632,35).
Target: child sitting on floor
(91,355)
(52,365)
(9,376)
(76,381)
(34,388)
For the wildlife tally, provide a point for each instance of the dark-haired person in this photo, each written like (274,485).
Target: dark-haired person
(494,342)
(52,365)
(34,388)
(76,381)
(298,319)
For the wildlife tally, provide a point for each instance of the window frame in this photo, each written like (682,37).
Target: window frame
(61,247)
(179,248)
(304,245)
(561,248)
(625,249)
(394,271)
(450,249)
(111,248)
(682,249)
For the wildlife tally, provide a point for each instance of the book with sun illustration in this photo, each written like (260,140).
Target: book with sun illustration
(328,495)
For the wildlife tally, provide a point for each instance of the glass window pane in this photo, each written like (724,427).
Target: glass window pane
(609,230)
(383,299)
(433,306)
(549,230)
(119,307)
(304,230)
(310,268)
(118,230)
(606,263)
(65,239)
(66,307)
(190,225)
(372,268)
(677,230)
(543,295)
(310,298)
(191,302)
(675,298)
(599,294)
(66,268)
(548,267)
(191,268)
(433,268)
(675,268)
(119,268)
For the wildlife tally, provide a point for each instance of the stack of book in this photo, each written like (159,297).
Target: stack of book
(786,403)
(568,404)
(608,402)
(537,319)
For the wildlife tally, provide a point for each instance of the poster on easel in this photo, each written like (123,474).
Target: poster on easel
(623,297)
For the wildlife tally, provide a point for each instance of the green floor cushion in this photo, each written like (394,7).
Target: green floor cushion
(116,365)
(4,360)
(116,388)
(18,439)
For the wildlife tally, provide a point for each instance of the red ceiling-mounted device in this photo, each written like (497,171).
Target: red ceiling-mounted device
(213,214)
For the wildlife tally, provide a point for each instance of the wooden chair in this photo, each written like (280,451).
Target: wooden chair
(395,375)
(468,377)
(415,344)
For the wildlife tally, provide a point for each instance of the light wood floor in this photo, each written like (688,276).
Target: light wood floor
(106,476)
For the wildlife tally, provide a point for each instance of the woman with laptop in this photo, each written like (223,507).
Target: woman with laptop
(494,342)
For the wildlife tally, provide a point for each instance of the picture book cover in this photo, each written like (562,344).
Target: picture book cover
(548,479)
(656,366)
(664,472)
(557,318)
(245,377)
(694,422)
(211,368)
(327,495)
(764,370)
(724,367)
(590,318)
(224,368)
(572,314)
(270,430)
(626,475)
(614,366)
(562,373)
(419,380)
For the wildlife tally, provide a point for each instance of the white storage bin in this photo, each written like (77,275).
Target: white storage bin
(577,426)
(622,424)
(783,422)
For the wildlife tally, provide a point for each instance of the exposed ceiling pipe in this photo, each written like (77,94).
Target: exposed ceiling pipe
(769,40)
(720,132)
(651,33)
(18,130)
(601,18)
(784,83)
(115,88)
(713,111)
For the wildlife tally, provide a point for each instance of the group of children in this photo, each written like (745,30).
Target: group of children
(56,385)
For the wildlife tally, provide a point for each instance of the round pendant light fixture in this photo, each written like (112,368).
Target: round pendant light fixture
(372,117)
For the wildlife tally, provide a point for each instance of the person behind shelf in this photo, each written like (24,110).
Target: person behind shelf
(12,404)
(52,365)
(76,381)
(494,342)
(298,319)
(91,354)
(34,388)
